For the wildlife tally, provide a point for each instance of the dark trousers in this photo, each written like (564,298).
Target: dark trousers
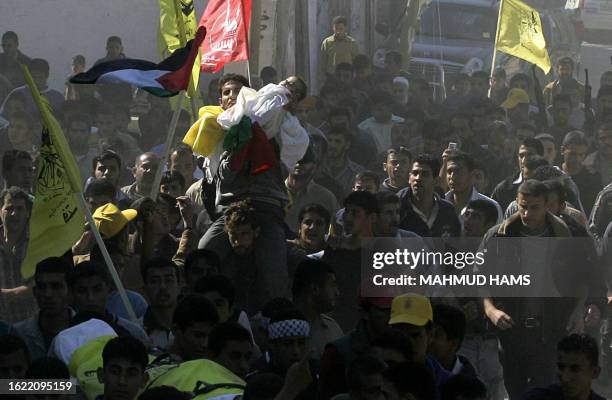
(529,361)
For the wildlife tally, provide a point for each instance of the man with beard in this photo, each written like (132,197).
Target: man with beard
(397,167)
(144,174)
(303,190)
(565,74)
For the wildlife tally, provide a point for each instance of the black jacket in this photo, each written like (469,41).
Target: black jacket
(446,223)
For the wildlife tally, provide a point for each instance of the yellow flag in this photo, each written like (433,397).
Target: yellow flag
(178,25)
(57,221)
(519,33)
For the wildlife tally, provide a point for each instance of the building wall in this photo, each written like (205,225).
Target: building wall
(56,30)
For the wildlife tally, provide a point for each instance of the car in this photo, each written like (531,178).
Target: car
(459,35)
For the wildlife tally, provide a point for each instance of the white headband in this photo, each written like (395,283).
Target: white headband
(288,328)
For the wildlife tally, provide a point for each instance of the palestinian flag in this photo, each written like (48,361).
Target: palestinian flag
(163,80)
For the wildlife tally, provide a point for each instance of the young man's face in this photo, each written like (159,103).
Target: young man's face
(474,223)
(224,308)
(172,188)
(144,172)
(229,94)
(106,124)
(78,136)
(183,163)
(14,213)
(381,113)
(339,122)
(561,112)
(193,341)
(327,294)
(122,379)
(337,146)
(90,294)
(550,151)
(51,293)
(161,286)
(19,134)
(458,177)
(96,201)
(565,70)
(524,153)
(108,169)
(441,346)
(604,137)
(357,221)
(576,375)
(303,171)
(533,210)
(419,338)
(368,185)
(242,238)
(114,49)
(235,356)
(201,269)
(14,365)
(21,174)
(9,47)
(421,179)
(553,204)
(312,230)
(397,168)
(389,219)
(574,154)
(479,87)
(339,30)
(288,350)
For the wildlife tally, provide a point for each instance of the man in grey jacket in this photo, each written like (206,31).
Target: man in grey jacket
(266,193)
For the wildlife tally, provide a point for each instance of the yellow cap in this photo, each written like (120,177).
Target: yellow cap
(412,309)
(515,97)
(110,220)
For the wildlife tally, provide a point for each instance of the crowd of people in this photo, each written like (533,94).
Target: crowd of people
(249,284)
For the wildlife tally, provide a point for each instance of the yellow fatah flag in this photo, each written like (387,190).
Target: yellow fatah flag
(520,34)
(205,133)
(178,25)
(57,221)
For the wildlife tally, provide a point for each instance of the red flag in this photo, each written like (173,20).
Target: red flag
(227,24)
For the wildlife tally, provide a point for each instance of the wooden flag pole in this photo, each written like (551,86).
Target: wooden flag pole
(168,145)
(107,258)
(501,6)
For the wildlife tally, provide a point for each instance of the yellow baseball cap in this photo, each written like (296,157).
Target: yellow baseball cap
(110,220)
(412,309)
(515,97)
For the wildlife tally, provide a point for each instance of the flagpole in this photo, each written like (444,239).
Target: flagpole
(107,258)
(499,14)
(246,39)
(183,41)
(169,141)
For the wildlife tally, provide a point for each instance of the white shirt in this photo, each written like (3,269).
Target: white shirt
(477,196)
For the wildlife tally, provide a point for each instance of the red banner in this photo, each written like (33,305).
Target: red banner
(227,25)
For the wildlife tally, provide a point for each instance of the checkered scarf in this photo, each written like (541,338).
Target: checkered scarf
(288,328)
